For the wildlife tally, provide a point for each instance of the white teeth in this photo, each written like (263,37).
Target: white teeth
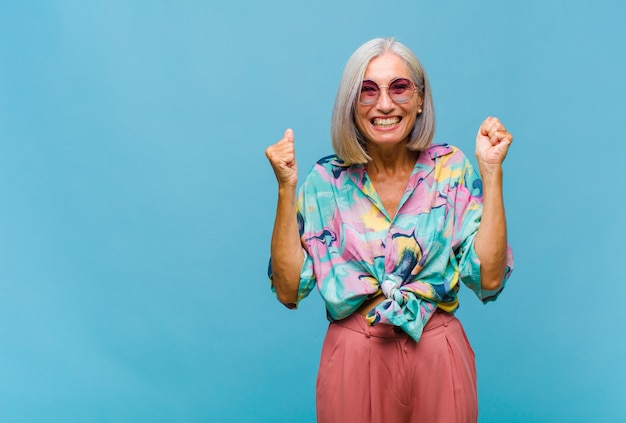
(385,122)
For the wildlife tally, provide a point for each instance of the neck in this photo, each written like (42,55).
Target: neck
(391,159)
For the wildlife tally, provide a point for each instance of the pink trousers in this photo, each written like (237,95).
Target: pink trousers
(380,375)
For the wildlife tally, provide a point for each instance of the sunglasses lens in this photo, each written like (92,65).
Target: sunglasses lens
(401,90)
(369,92)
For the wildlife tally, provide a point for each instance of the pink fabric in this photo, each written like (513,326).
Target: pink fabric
(375,374)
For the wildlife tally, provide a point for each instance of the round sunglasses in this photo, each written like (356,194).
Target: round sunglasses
(400,91)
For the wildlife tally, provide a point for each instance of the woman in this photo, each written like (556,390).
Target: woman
(386,229)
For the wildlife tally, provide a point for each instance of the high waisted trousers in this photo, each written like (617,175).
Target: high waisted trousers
(379,374)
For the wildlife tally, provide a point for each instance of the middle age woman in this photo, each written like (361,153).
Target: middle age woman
(387,228)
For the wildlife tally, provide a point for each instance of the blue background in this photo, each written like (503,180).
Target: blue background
(136,203)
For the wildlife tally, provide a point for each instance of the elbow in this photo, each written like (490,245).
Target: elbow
(288,299)
(492,280)
(492,271)
(491,284)
(287,293)
(285,277)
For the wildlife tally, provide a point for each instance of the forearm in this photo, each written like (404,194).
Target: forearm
(286,248)
(491,240)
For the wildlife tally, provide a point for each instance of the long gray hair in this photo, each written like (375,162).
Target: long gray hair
(347,140)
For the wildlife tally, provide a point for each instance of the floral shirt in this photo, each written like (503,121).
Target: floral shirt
(354,251)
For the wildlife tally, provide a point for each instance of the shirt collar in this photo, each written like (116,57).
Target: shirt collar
(426,158)
(424,166)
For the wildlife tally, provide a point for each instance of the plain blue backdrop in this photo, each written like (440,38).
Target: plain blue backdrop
(136,203)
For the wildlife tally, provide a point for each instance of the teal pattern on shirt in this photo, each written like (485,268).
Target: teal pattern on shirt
(354,251)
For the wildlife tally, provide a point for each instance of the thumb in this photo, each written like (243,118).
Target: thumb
(484,129)
(289,134)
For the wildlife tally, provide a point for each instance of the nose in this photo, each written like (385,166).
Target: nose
(384,103)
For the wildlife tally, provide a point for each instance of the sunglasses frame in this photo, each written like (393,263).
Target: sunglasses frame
(413,89)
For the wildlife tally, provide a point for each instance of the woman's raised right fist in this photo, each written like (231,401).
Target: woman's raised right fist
(282,157)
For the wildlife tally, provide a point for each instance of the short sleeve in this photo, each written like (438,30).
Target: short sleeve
(468,214)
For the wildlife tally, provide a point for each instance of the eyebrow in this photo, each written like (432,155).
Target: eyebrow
(390,81)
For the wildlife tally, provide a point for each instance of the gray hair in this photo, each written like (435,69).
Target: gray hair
(347,140)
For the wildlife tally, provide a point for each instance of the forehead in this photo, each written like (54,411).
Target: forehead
(386,67)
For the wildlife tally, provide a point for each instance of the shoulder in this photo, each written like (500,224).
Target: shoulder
(326,172)
(435,151)
(446,155)
(330,166)
(331,162)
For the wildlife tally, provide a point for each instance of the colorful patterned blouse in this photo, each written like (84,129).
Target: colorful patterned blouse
(354,251)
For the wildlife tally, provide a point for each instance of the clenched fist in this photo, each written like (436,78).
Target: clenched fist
(492,143)
(282,157)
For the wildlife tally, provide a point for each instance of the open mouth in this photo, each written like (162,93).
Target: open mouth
(385,122)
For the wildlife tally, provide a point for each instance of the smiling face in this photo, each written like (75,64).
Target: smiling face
(385,122)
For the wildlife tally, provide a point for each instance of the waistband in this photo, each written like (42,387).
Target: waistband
(357,323)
